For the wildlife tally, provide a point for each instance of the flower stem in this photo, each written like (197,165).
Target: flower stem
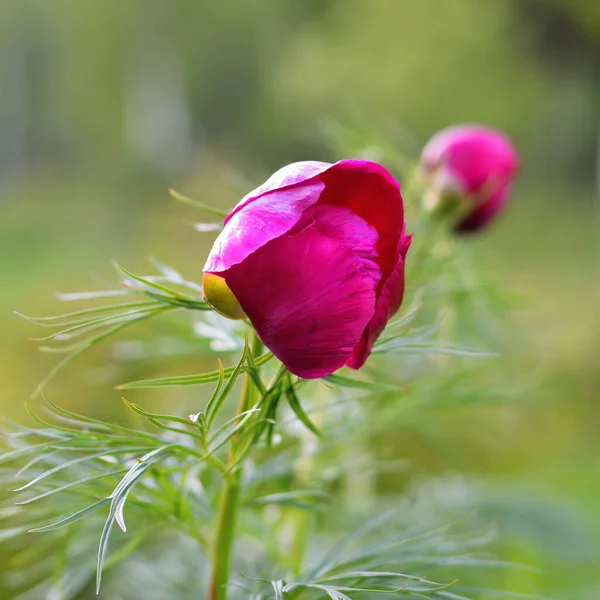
(229,502)
(224,541)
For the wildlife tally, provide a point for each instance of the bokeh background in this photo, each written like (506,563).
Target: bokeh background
(105,105)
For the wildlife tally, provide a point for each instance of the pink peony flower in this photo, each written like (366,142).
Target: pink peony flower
(314,258)
(474,166)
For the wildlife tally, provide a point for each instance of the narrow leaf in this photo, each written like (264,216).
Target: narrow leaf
(360,384)
(72,484)
(212,409)
(295,405)
(72,518)
(72,317)
(197,204)
(153,285)
(185,380)
(90,342)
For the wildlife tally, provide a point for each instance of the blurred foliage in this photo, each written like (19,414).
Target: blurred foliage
(106,105)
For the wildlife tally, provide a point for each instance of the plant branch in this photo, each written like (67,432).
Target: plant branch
(230,499)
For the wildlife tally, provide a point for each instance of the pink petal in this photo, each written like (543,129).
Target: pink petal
(274,208)
(348,228)
(369,191)
(287,176)
(473,154)
(267,218)
(387,305)
(277,205)
(309,299)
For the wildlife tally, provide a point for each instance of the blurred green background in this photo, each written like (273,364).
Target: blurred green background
(105,105)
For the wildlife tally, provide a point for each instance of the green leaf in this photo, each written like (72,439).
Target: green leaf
(408,346)
(243,453)
(215,403)
(72,484)
(71,318)
(269,402)
(333,592)
(252,369)
(297,499)
(360,384)
(208,227)
(21,452)
(157,416)
(185,380)
(197,204)
(76,296)
(239,419)
(89,422)
(81,326)
(118,498)
(75,461)
(190,304)
(410,313)
(81,347)
(217,390)
(36,459)
(382,575)
(72,518)
(278,589)
(295,405)
(154,285)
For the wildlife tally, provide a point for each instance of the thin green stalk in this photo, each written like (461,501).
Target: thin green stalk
(303,525)
(221,564)
(229,502)
(303,520)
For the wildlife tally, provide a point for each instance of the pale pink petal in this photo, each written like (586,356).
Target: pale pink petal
(266,218)
(287,176)
(309,299)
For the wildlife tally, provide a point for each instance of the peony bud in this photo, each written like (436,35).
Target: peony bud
(468,171)
(315,259)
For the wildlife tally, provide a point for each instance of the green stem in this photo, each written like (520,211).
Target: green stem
(224,541)
(303,526)
(229,502)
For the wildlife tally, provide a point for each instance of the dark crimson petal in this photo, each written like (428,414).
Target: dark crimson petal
(369,190)
(388,303)
(309,299)
(484,213)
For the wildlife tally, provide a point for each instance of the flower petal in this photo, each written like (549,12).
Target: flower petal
(269,217)
(368,190)
(348,228)
(277,205)
(293,174)
(388,302)
(486,212)
(473,154)
(309,299)
(272,209)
